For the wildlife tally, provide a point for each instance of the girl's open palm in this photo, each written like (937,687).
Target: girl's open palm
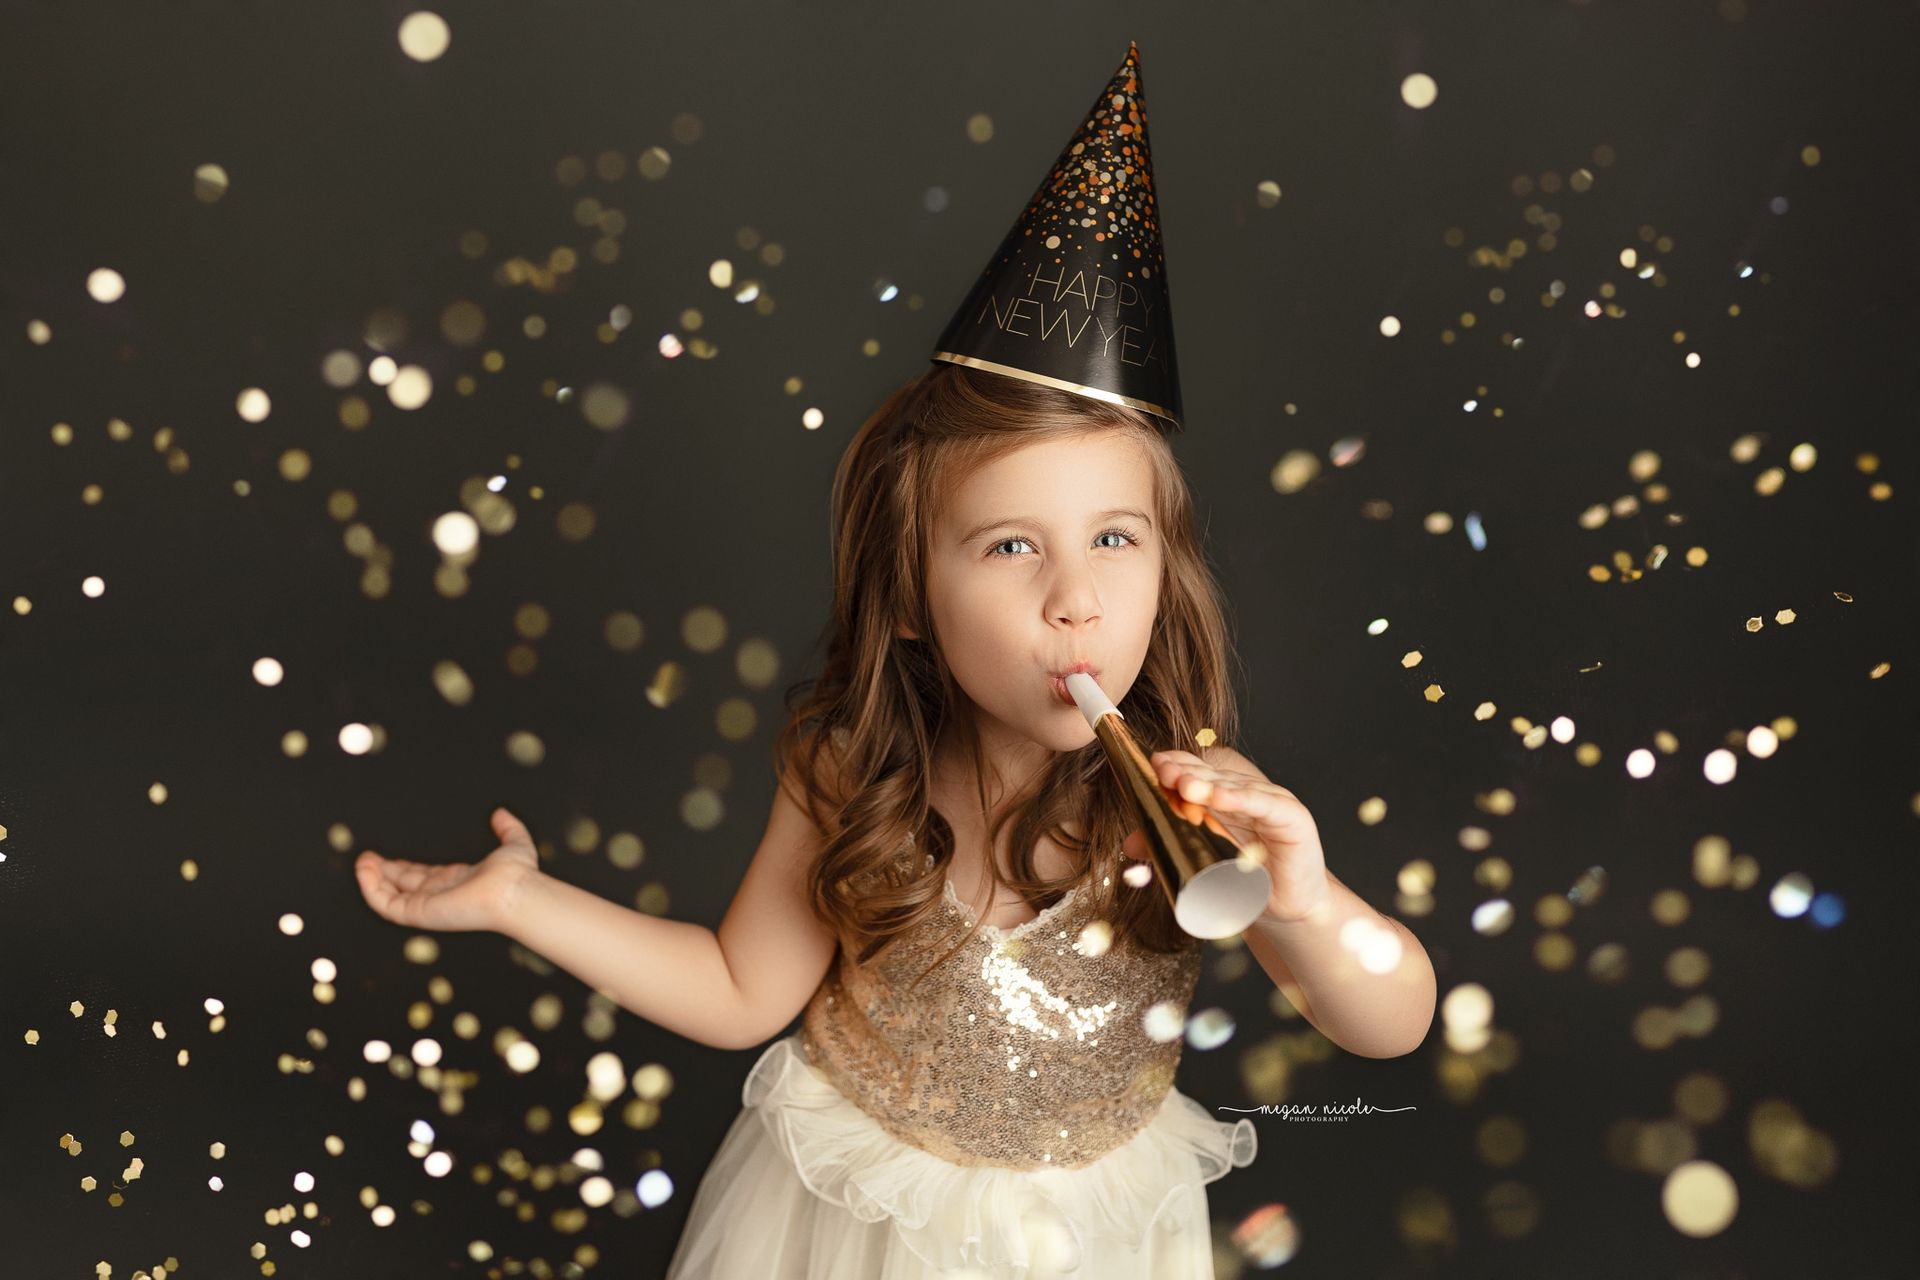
(450,896)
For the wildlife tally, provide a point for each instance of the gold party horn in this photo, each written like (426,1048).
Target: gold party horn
(1216,888)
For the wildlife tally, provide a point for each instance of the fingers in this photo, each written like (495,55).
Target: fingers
(407,876)
(1186,774)
(1172,766)
(398,872)
(386,883)
(1203,784)
(508,827)
(1190,776)
(1196,788)
(377,887)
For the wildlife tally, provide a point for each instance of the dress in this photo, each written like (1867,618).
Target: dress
(1011,1118)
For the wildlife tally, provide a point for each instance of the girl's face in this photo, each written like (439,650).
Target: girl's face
(1041,559)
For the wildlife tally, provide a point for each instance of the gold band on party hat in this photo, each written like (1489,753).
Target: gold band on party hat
(1080,388)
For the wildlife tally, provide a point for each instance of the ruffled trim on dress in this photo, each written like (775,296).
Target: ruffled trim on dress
(953,1216)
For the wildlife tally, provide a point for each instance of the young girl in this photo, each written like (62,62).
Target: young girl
(991,997)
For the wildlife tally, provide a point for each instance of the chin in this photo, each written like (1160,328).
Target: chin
(1070,734)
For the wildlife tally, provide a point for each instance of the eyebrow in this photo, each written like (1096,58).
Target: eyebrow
(986,525)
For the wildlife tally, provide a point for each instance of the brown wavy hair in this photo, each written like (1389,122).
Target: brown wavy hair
(859,737)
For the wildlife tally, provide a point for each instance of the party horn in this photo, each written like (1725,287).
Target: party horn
(1216,888)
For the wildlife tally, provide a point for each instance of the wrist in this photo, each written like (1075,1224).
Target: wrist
(516,890)
(1318,913)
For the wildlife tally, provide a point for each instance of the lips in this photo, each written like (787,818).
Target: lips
(1059,679)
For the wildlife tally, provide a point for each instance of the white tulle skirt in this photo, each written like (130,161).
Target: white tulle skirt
(806,1186)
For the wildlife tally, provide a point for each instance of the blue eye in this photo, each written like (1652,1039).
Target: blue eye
(1132,538)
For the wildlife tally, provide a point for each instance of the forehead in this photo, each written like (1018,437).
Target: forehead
(1087,471)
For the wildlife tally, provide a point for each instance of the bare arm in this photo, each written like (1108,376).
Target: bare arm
(672,973)
(775,947)
(732,990)
(1382,1011)
(1360,977)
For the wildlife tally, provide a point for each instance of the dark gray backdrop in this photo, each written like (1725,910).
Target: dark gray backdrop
(355,172)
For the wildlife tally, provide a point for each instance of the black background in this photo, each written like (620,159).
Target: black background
(355,171)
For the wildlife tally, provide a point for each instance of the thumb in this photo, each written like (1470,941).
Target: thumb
(506,825)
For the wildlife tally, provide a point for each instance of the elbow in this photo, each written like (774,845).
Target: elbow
(1402,1045)
(1411,1017)
(745,1033)
(752,1040)
(1388,1049)
(727,1034)
(736,1037)
(1389,1042)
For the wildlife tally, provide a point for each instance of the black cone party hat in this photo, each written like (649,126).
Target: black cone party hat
(1076,297)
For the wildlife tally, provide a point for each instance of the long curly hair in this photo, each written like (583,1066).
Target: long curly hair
(859,737)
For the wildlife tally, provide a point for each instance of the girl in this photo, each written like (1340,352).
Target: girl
(991,1004)
(983,1075)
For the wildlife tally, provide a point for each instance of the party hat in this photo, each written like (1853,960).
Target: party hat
(1076,296)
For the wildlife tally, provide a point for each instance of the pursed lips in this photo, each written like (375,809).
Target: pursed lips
(1059,679)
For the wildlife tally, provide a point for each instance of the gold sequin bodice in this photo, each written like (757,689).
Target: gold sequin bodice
(1023,1049)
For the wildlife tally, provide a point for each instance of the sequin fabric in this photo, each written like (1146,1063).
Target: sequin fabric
(1024,1049)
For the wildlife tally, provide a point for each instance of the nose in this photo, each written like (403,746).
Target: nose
(1074,601)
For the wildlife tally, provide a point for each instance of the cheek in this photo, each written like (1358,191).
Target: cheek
(964,613)
(972,598)
(1146,589)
